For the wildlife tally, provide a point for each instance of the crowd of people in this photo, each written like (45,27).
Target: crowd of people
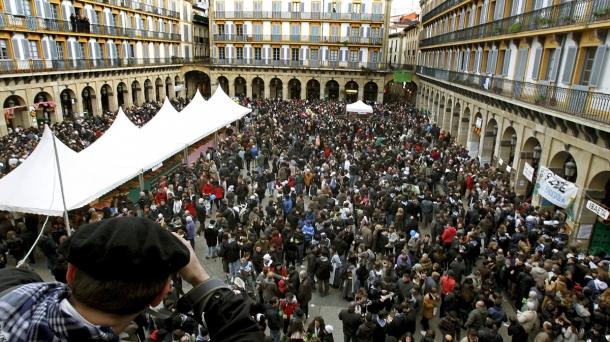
(387,209)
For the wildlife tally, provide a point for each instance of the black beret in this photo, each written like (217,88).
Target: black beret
(125,248)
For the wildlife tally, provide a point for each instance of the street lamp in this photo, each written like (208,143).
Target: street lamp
(570,169)
(119,88)
(11,103)
(493,148)
(537,152)
(513,143)
(104,91)
(40,98)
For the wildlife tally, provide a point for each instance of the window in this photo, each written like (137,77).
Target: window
(296,7)
(550,65)
(258,6)
(257,53)
(334,55)
(295,31)
(276,29)
(221,52)
(55,12)
(314,55)
(356,8)
(239,29)
(276,54)
(315,33)
(221,28)
(4,49)
(353,56)
(587,68)
(295,54)
(258,32)
(277,9)
(27,7)
(239,52)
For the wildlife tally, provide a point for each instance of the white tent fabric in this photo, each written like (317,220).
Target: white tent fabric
(226,106)
(33,187)
(114,147)
(359,107)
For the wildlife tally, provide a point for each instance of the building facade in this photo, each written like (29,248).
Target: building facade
(297,49)
(201,27)
(521,82)
(61,58)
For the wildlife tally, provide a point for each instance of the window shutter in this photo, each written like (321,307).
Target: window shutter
(568,68)
(325,54)
(514,7)
(9,7)
(597,65)
(39,9)
(329,8)
(91,50)
(19,7)
(349,8)
(26,49)
(362,31)
(483,18)
(521,62)
(307,53)
(506,62)
(98,50)
(380,56)
(536,69)
(442,66)
(363,9)
(231,52)
(490,54)
(553,76)
(499,10)
(450,54)
(214,52)
(16,48)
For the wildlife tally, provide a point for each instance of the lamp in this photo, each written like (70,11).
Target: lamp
(64,97)
(513,140)
(537,152)
(570,169)
(85,93)
(11,103)
(119,88)
(495,129)
(104,91)
(133,86)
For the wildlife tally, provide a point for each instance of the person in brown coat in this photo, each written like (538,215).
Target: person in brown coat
(430,301)
(367,237)
(304,294)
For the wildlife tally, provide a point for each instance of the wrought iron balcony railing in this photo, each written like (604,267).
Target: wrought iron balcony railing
(585,104)
(298,15)
(295,39)
(15,66)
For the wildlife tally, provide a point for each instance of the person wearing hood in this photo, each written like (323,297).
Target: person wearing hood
(308,231)
(527,318)
(597,286)
(366,330)
(190,230)
(381,326)
(322,270)
(328,334)
(477,317)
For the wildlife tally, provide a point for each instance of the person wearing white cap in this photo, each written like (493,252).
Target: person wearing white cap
(528,318)
(328,330)
(267,260)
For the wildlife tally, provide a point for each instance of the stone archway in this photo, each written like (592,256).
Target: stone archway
(147,90)
(531,151)
(240,86)
(258,88)
(441,112)
(370,91)
(508,146)
(136,93)
(560,165)
(223,83)
(121,90)
(351,91)
(69,104)
(464,128)
(106,94)
(159,89)
(87,97)
(331,90)
(490,136)
(169,87)
(45,113)
(198,81)
(18,116)
(475,130)
(294,87)
(276,87)
(455,120)
(313,89)
(437,111)
(446,126)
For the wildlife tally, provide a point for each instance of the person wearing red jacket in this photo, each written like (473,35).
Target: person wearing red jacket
(207,188)
(161,196)
(219,192)
(288,305)
(448,234)
(190,207)
(469,185)
(447,285)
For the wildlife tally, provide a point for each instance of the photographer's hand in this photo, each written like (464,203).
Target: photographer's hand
(193,273)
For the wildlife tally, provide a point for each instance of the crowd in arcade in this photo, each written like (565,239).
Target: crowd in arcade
(387,211)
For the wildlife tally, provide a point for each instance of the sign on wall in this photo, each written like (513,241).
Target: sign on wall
(557,190)
(598,209)
(402,76)
(528,172)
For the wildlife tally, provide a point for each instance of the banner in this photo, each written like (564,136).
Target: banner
(528,172)
(402,76)
(557,190)
(177,88)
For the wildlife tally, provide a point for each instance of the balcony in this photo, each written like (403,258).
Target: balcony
(584,104)
(295,39)
(440,9)
(14,22)
(14,66)
(364,67)
(297,15)
(138,6)
(201,19)
(576,12)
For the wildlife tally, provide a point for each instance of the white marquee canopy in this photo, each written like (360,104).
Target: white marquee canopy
(359,107)
(112,160)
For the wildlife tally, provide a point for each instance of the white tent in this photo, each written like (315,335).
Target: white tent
(359,107)
(229,109)
(33,187)
(116,147)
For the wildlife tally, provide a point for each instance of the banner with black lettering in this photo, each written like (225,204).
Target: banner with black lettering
(555,189)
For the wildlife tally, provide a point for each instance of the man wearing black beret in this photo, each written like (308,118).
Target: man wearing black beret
(116,269)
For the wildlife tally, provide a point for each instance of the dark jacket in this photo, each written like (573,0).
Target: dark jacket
(322,268)
(351,321)
(305,290)
(231,250)
(272,317)
(365,332)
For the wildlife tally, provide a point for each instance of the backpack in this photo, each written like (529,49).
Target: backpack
(222,251)
(243,215)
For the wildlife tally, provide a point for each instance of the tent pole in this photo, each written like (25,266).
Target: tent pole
(141,180)
(61,186)
(186,155)
(237,127)
(216,140)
